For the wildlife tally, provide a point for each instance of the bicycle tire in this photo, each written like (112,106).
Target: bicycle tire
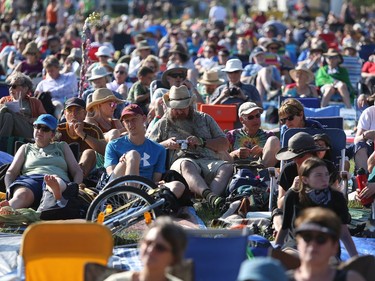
(124,201)
(140,182)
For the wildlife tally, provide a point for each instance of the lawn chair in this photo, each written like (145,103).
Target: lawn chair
(59,250)
(307,102)
(224,114)
(217,253)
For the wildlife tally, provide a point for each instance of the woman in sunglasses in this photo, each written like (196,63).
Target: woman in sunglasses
(314,190)
(317,236)
(100,108)
(44,164)
(292,115)
(162,246)
(19,110)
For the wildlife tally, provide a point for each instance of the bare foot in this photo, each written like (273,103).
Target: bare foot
(53,185)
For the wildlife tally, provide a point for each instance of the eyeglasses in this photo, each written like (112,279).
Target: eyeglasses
(42,128)
(320,239)
(289,118)
(14,86)
(251,117)
(120,71)
(73,109)
(157,246)
(176,75)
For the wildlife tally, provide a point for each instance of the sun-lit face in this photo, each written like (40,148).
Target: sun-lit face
(180,113)
(252,121)
(134,124)
(74,114)
(235,76)
(318,178)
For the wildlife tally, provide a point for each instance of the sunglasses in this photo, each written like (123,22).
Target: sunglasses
(42,128)
(14,86)
(31,54)
(320,239)
(251,117)
(113,104)
(176,75)
(157,246)
(289,118)
(120,71)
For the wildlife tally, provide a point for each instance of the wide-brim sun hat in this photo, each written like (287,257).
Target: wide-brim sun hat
(172,68)
(211,78)
(102,95)
(304,69)
(98,72)
(333,53)
(31,48)
(298,145)
(233,65)
(178,97)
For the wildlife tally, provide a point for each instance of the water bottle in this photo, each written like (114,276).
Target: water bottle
(361,184)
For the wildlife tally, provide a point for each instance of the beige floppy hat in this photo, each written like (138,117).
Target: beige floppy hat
(211,77)
(304,69)
(178,97)
(102,95)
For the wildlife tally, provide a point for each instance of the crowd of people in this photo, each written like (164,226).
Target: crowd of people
(136,111)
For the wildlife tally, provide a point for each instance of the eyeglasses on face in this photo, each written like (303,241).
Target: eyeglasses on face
(319,239)
(120,72)
(14,86)
(160,248)
(176,75)
(42,128)
(251,117)
(289,118)
(73,109)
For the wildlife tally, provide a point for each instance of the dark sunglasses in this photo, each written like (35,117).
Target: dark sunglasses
(176,75)
(157,246)
(273,48)
(251,117)
(42,128)
(120,71)
(14,86)
(289,118)
(320,239)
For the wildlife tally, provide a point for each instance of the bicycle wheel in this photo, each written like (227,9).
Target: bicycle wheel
(136,181)
(123,207)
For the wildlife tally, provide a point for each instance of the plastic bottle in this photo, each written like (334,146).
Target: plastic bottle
(100,218)
(361,184)
(148,218)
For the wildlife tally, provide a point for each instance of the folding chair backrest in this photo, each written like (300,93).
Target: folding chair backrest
(272,59)
(307,102)
(366,51)
(59,250)
(354,67)
(328,111)
(216,257)
(330,121)
(337,137)
(224,114)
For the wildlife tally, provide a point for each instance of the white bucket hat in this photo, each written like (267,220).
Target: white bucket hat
(233,65)
(103,51)
(98,72)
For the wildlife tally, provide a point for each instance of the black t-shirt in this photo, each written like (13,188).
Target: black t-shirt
(290,171)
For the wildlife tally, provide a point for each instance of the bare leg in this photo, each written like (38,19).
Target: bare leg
(195,181)
(271,147)
(176,187)
(22,198)
(55,185)
(360,158)
(328,92)
(128,165)
(220,182)
(344,93)
(87,161)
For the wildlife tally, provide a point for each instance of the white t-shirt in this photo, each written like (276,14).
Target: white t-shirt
(218,13)
(367,119)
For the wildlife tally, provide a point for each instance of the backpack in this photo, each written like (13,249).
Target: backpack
(46,99)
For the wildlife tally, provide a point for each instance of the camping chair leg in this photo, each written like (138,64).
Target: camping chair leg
(273,184)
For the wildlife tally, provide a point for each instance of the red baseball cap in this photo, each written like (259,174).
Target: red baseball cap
(131,110)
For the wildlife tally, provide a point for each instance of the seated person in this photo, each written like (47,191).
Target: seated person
(134,154)
(251,142)
(292,115)
(332,78)
(139,93)
(89,137)
(18,121)
(210,81)
(368,74)
(100,108)
(235,91)
(302,87)
(120,75)
(198,160)
(39,165)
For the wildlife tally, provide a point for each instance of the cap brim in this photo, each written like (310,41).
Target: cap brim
(286,154)
(310,226)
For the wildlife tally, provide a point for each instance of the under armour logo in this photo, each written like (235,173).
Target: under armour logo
(145,158)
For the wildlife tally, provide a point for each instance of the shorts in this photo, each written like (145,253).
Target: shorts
(32,182)
(207,168)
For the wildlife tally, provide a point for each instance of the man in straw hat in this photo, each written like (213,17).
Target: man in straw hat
(332,78)
(235,91)
(251,142)
(134,154)
(196,158)
(210,80)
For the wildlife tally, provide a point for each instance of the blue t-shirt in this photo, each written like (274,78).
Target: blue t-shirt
(153,155)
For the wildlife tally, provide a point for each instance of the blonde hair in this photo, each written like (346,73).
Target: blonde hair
(291,107)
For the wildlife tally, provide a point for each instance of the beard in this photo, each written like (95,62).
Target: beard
(180,117)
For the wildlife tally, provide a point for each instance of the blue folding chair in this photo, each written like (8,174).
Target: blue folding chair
(330,121)
(307,102)
(217,253)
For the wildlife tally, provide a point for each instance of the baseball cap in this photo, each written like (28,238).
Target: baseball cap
(248,107)
(75,102)
(47,120)
(131,110)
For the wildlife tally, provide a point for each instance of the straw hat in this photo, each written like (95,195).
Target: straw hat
(298,145)
(98,72)
(178,97)
(102,95)
(303,68)
(31,47)
(211,78)
(333,53)
(143,45)
(172,68)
